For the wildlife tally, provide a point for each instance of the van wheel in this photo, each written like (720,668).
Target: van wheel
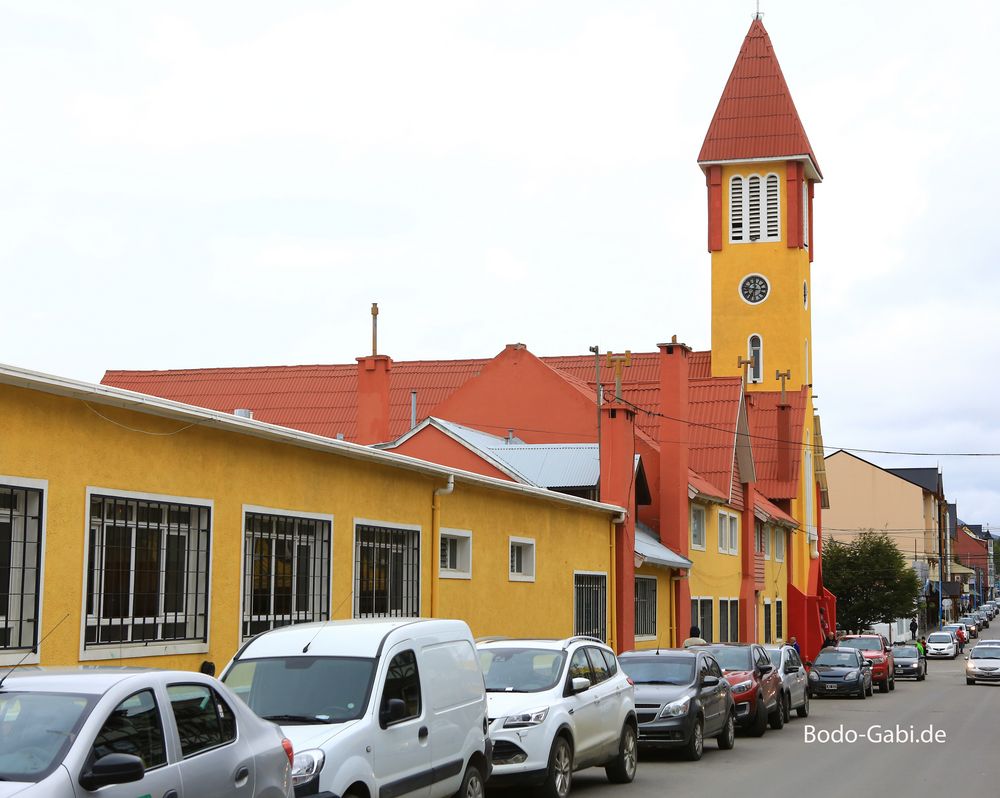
(472,784)
(560,777)
(621,770)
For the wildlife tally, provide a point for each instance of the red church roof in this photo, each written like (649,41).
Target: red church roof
(756,117)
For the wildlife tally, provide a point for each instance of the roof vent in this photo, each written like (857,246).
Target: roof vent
(340,436)
(243,412)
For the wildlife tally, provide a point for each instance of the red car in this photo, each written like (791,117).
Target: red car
(756,685)
(877,651)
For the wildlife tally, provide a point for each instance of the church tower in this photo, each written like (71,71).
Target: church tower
(760,170)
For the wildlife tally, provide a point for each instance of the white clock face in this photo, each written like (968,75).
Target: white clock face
(754,289)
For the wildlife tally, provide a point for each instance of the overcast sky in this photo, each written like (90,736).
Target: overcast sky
(233,183)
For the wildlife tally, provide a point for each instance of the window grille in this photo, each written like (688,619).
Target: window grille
(386,572)
(590,606)
(767,622)
(147,572)
(286,571)
(753,207)
(737,228)
(645,606)
(20,561)
(773,224)
(778,619)
(701,616)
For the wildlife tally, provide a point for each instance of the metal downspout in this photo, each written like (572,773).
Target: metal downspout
(436,537)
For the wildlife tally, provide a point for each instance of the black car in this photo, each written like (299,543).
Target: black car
(840,671)
(681,697)
(910,663)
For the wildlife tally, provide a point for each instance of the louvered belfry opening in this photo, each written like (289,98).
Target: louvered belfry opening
(386,572)
(286,571)
(754,209)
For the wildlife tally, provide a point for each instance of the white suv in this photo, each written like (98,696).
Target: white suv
(557,706)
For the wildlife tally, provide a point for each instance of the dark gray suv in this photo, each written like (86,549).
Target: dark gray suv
(681,697)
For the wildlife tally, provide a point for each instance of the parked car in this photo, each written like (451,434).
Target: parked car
(681,697)
(983,618)
(876,650)
(556,707)
(909,662)
(961,633)
(794,681)
(988,642)
(942,644)
(983,665)
(841,671)
(407,692)
(971,625)
(133,731)
(755,683)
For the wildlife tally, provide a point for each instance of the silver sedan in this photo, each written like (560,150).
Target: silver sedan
(133,731)
(794,684)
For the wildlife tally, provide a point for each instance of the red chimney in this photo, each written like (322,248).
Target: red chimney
(786,446)
(373,399)
(618,487)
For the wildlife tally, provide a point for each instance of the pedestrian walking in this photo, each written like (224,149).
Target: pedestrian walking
(794,643)
(913,629)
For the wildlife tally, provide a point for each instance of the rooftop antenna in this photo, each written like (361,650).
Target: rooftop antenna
(32,650)
(744,363)
(619,363)
(374,329)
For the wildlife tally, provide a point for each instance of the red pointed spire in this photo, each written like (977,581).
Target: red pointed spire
(756,117)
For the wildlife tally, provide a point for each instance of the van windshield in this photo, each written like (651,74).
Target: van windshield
(289,690)
(521,670)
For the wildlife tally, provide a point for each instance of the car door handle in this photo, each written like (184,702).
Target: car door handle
(242,774)
(170,794)
(422,732)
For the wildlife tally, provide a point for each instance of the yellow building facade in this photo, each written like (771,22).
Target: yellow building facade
(153,533)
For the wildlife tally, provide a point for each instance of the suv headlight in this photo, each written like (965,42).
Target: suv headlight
(742,687)
(676,709)
(878,660)
(530,718)
(307,765)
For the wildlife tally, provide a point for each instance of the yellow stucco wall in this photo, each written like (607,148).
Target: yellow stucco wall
(666,635)
(714,574)
(74,445)
(781,319)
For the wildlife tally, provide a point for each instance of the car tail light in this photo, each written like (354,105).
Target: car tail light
(289,752)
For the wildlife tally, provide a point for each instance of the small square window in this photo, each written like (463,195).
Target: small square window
(522,560)
(456,554)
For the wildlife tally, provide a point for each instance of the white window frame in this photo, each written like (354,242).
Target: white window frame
(779,551)
(699,510)
(730,530)
(529,546)
(464,554)
(253,508)
(129,650)
(756,370)
(768,623)
(656,599)
(766,540)
(21,656)
(752,203)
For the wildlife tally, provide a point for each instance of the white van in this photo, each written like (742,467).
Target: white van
(372,707)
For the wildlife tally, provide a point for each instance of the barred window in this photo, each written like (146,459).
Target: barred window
(701,616)
(147,571)
(779,629)
(386,572)
(286,571)
(767,622)
(645,606)
(20,558)
(590,605)
(729,621)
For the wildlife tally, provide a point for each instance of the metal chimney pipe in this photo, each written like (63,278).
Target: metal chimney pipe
(413,409)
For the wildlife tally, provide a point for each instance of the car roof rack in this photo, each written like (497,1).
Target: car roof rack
(490,638)
(589,638)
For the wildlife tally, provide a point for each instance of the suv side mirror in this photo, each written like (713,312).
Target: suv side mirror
(765,669)
(579,685)
(866,664)
(709,681)
(393,711)
(112,769)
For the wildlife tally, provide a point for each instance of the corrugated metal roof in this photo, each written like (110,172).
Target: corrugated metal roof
(756,117)
(551,465)
(648,546)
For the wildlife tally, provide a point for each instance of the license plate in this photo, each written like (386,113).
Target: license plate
(831,687)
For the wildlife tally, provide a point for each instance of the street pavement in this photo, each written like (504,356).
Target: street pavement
(782,763)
